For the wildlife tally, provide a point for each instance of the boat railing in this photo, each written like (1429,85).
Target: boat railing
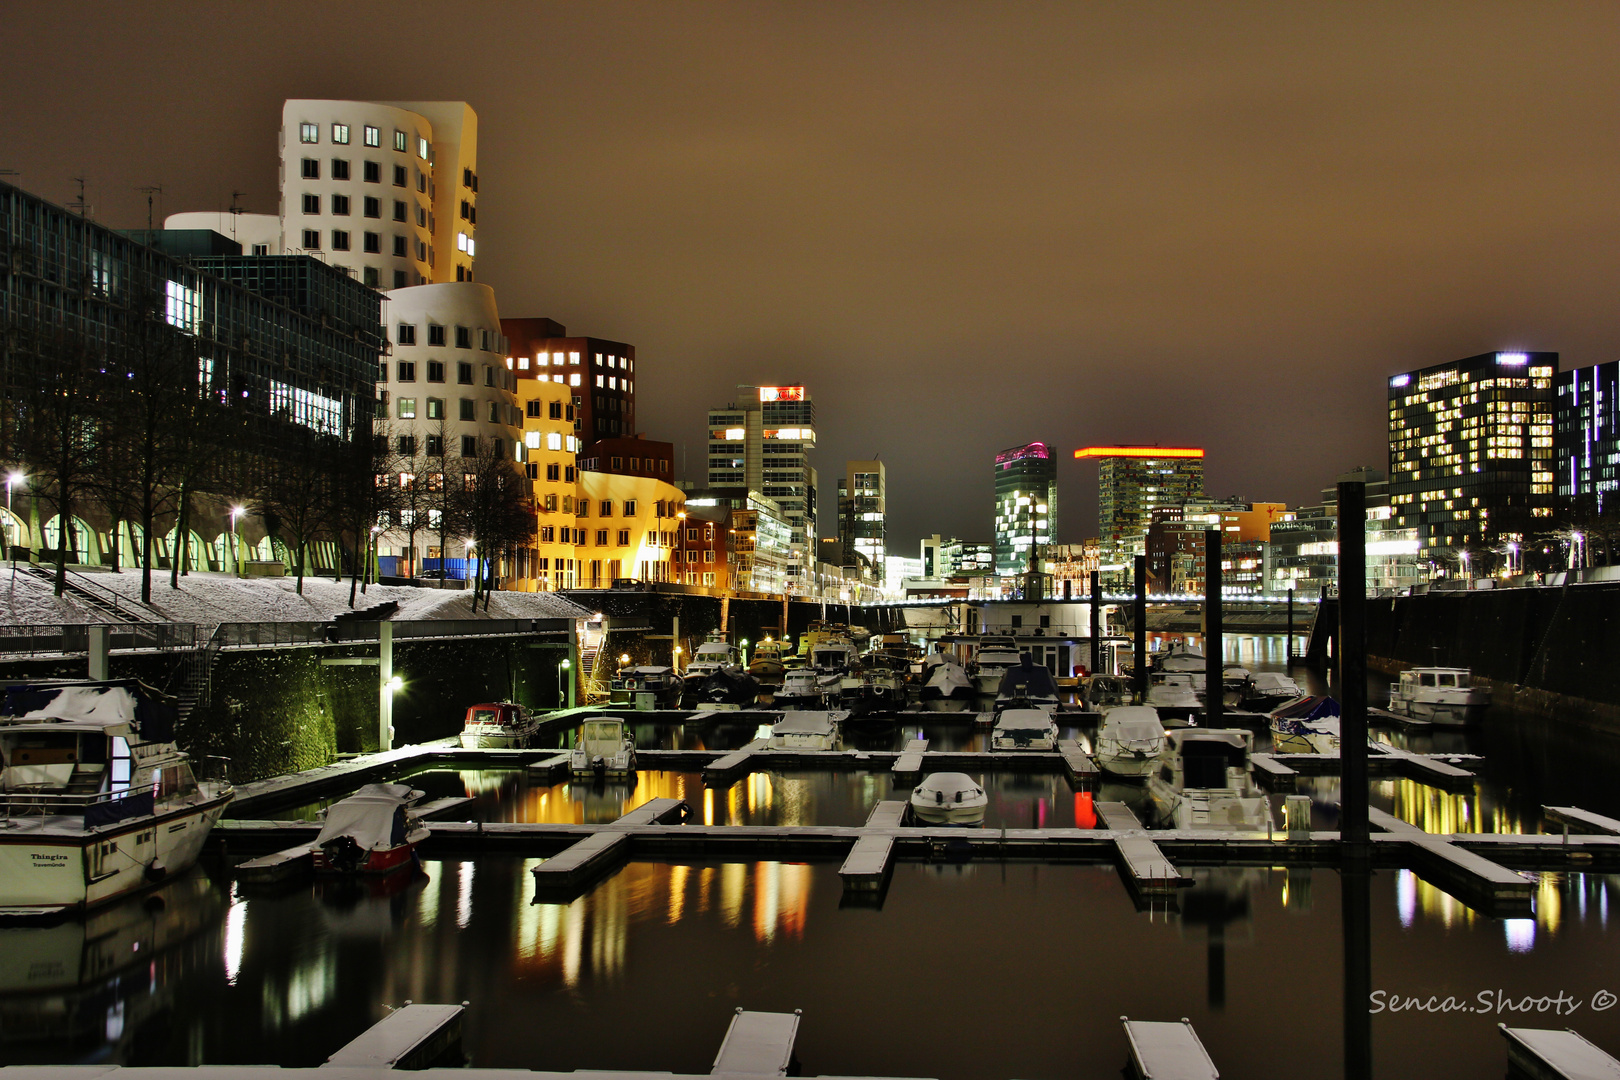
(42,801)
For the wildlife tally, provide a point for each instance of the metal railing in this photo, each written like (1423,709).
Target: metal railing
(50,639)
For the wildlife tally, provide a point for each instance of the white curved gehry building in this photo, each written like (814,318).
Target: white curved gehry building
(387,189)
(447,384)
(259,234)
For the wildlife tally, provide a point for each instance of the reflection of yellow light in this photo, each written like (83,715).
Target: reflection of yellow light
(708,806)
(1550,902)
(766,884)
(733,883)
(677,892)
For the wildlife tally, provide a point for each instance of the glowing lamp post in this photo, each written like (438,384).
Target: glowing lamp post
(562,672)
(236,549)
(12,480)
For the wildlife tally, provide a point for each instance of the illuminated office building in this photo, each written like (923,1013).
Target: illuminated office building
(1133,482)
(1026,505)
(1471,450)
(1588,432)
(763,445)
(862,495)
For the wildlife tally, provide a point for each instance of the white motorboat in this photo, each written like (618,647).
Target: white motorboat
(1130,741)
(1103,692)
(802,687)
(1306,725)
(838,659)
(1180,657)
(370,832)
(710,657)
(1440,695)
(949,798)
(498,725)
(633,685)
(99,800)
(1203,782)
(1174,695)
(944,679)
(604,747)
(995,657)
(806,730)
(1024,729)
(1268,690)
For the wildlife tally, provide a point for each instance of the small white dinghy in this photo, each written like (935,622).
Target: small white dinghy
(1130,741)
(949,798)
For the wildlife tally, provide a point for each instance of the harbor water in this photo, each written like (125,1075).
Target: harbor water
(968,970)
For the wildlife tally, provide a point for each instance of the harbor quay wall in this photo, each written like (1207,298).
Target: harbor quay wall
(1546,652)
(273,711)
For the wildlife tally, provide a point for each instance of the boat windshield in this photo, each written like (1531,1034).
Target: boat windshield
(1426,679)
(486,716)
(595,731)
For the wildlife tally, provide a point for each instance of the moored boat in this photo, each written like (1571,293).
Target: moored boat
(1440,695)
(711,656)
(995,657)
(1268,690)
(370,832)
(767,664)
(1306,725)
(1130,741)
(944,679)
(498,725)
(657,680)
(99,800)
(949,798)
(1102,692)
(1024,729)
(806,730)
(1203,782)
(1174,695)
(603,747)
(802,688)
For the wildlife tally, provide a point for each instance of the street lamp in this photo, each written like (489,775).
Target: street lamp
(745,652)
(13,478)
(467,556)
(562,668)
(236,551)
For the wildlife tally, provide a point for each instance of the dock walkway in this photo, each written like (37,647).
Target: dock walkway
(1165,1050)
(871,858)
(1468,875)
(1146,870)
(1550,1054)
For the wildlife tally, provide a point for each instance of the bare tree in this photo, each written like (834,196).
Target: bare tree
(500,509)
(65,388)
(367,497)
(296,496)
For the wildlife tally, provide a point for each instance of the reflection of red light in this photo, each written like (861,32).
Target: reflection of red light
(1085,813)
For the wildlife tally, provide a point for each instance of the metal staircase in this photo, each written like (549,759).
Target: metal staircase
(192,683)
(596,687)
(116,607)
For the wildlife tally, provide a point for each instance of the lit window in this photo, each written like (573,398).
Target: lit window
(472,248)
(340,134)
(373,136)
(407,408)
(421,148)
(613,382)
(573,357)
(309,133)
(400,142)
(553,441)
(531,439)
(599,379)
(461,241)
(523,363)
(573,380)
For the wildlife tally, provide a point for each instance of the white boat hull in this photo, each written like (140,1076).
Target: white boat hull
(512,740)
(1310,742)
(1443,713)
(949,813)
(1125,763)
(43,869)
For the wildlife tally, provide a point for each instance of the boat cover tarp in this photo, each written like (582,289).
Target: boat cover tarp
(374,817)
(1029,681)
(1132,723)
(106,704)
(728,685)
(1307,708)
(801,722)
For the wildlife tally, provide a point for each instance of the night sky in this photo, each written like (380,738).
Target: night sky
(963,226)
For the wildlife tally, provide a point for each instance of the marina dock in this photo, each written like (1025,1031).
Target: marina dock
(910,760)
(1550,1054)
(870,860)
(1165,1050)
(596,854)
(1581,821)
(413,1037)
(1469,876)
(1077,764)
(757,1044)
(1146,871)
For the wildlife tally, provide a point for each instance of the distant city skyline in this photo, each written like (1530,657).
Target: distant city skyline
(1205,226)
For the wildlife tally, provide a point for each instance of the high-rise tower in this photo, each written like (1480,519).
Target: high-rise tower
(763,445)
(1134,481)
(1026,505)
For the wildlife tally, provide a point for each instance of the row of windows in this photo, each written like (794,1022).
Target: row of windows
(371,207)
(434,447)
(434,410)
(371,243)
(371,172)
(571,359)
(405,334)
(555,410)
(311,133)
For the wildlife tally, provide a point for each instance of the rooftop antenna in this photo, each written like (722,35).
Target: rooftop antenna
(150,190)
(236,210)
(81,206)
